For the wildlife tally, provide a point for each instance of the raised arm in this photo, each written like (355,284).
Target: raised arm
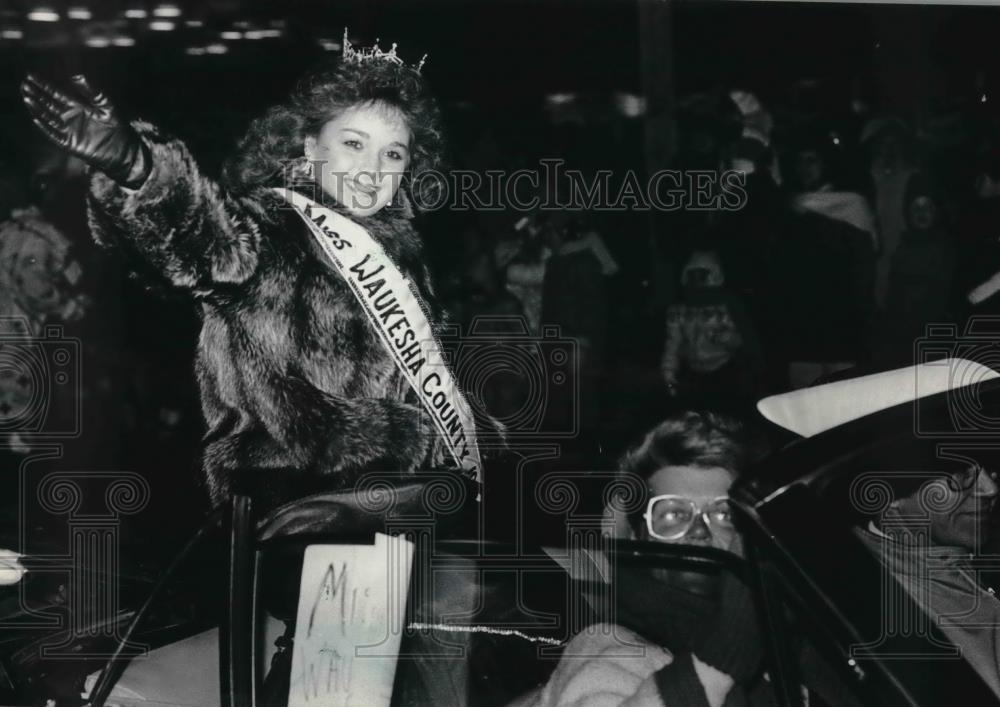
(147,193)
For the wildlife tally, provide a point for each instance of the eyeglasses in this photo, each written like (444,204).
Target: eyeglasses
(966,480)
(670,517)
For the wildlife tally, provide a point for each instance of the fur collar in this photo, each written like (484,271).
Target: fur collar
(392,227)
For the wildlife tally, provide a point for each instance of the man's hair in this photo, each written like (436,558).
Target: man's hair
(701,439)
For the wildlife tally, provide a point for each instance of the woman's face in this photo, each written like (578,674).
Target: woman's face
(360,156)
(702,485)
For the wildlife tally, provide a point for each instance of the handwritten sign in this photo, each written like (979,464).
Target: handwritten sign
(352,605)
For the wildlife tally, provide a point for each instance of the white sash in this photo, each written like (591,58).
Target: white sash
(395,310)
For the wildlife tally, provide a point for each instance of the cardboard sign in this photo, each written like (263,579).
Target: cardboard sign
(352,605)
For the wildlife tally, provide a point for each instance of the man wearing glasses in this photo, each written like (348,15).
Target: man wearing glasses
(931,524)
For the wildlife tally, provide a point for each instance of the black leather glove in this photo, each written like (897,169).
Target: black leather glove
(86,125)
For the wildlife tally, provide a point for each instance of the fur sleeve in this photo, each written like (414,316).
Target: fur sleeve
(179,221)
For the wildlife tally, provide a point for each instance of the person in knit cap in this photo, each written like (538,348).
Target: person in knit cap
(711,348)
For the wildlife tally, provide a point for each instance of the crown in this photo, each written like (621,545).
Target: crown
(361,55)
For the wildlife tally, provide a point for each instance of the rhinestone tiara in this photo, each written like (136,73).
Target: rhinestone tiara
(360,55)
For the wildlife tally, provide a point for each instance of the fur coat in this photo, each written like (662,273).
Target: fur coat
(297,391)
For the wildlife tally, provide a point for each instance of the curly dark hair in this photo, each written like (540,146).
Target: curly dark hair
(266,153)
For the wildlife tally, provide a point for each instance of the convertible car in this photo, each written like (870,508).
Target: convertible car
(412,607)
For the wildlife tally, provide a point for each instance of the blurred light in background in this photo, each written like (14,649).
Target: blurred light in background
(262,34)
(630,105)
(166,10)
(43,14)
(558,99)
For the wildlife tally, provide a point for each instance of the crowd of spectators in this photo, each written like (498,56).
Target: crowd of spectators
(858,236)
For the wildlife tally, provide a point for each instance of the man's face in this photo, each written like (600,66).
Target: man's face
(958,508)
